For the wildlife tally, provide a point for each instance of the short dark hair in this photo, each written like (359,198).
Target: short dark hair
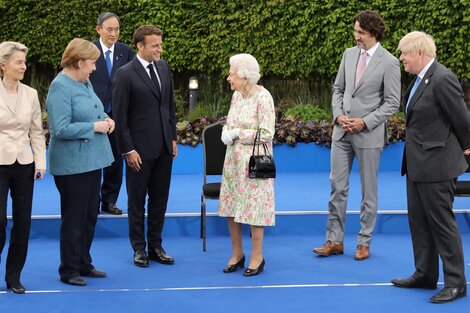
(145,30)
(104,16)
(372,22)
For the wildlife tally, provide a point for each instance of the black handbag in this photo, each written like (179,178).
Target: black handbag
(261,166)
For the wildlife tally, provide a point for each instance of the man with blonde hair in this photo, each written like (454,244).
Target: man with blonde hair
(437,132)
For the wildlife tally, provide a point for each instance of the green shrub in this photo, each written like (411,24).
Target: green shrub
(308,112)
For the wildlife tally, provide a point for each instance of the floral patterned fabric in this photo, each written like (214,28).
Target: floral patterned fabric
(249,201)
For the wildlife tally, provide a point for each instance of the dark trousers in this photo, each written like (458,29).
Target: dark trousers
(112,175)
(435,233)
(19,180)
(153,180)
(79,206)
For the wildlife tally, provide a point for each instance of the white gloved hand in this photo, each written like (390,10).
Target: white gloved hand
(234,133)
(226,139)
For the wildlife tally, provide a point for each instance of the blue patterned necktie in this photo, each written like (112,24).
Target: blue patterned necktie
(109,65)
(412,92)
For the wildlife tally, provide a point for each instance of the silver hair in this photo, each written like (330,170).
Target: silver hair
(106,15)
(7,48)
(247,67)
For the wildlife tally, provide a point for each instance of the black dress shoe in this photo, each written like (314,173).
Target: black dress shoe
(412,282)
(141,259)
(159,255)
(94,273)
(16,288)
(111,208)
(234,267)
(76,281)
(449,294)
(254,271)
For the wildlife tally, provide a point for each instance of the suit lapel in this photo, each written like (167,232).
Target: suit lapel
(100,62)
(142,72)
(6,99)
(117,57)
(421,87)
(160,71)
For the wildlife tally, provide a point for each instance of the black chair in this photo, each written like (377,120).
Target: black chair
(463,186)
(214,156)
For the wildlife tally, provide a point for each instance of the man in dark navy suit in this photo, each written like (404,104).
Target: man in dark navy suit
(114,54)
(144,111)
(437,133)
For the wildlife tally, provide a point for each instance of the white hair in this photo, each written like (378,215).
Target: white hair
(418,41)
(247,67)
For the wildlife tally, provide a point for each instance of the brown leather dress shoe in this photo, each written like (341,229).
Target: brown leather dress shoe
(362,252)
(111,208)
(329,248)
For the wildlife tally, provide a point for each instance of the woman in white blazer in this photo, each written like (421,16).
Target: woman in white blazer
(22,156)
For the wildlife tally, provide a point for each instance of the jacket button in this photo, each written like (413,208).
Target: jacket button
(352,96)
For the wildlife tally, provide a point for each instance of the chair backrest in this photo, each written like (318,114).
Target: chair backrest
(214,149)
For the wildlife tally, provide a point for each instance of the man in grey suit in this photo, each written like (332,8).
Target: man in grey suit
(366,93)
(437,132)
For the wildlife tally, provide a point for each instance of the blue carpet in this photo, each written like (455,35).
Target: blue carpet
(294,280)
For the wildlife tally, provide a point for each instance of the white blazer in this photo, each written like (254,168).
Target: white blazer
(21,134)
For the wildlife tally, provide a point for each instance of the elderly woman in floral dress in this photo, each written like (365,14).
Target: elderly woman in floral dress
(244,200)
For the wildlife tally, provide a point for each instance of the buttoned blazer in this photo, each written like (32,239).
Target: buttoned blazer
(75,147)
(141,112)
(101,81)
(21,132)
(374,99)
(437,128)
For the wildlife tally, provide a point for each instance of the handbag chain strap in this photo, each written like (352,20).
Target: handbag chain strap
(257,142)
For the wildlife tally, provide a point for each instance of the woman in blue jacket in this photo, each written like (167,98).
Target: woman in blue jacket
(79,148)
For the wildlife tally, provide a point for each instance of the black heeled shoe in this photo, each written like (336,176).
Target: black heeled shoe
(254,271)
(16,288)
(234,267)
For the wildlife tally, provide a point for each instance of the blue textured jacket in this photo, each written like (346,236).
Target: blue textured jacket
(74,147)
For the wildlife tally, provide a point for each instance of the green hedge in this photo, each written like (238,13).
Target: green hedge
(296,39)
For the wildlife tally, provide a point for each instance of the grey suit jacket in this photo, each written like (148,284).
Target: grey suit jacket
(375,99)
(437,128)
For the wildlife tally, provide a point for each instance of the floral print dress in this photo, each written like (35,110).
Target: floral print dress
(249,201)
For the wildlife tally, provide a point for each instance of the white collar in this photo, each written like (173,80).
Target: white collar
(372,50)
(425,69)
(104,48)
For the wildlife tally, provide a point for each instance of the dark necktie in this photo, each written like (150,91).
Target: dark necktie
(153,76)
